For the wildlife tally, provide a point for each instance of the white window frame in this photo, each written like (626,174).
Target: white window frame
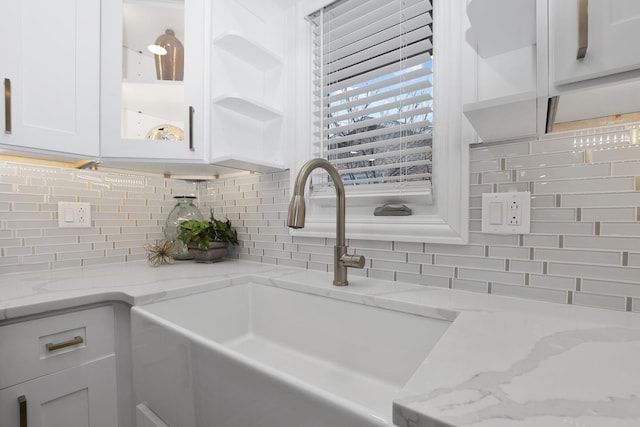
(447,219)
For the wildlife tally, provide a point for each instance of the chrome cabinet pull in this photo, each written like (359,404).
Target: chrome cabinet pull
(75,341)
(191,112)
(22,404)
(583,28)
(7,106)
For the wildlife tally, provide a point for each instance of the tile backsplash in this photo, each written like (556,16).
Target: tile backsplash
(127,210)
(584,246)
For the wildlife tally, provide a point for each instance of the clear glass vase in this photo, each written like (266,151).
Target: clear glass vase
(183,211)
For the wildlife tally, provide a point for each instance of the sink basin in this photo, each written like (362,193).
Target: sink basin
(259,355)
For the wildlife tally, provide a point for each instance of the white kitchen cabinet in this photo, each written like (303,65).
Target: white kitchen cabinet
(134,100)
(83,396)
(247,118)
(500,57)
(59,370)
(613,32)
(50,69)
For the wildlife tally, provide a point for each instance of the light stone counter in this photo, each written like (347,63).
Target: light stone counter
(503,361)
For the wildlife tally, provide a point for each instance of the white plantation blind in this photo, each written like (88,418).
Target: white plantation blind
(372,94)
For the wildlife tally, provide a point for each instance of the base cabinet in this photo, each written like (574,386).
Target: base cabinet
(84,396)
(60,371)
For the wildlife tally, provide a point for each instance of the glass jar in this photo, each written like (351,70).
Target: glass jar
(183,211)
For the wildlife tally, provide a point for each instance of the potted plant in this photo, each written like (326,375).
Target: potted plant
(208,240)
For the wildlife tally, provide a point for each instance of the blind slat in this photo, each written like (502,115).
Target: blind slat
(380,121)
(376,144)
(412,96)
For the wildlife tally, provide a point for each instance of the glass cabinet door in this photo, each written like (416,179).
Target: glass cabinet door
(153,79)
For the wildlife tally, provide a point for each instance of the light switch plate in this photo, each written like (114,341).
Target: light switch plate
(506,213)
(74,215)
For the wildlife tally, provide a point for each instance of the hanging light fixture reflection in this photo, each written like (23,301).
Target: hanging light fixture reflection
(169,54)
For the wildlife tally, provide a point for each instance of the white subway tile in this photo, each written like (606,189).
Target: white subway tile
(553,214)
(620,229)
(589,185)
(601,200)
(634,259)
(441,282)
(75,247)
(318,266)
(419,258)
(17,251)
(485,165)
(408,247)
(564,172)
(625,168)
(493,239)
(552,282)
(551,295)
(513,186)
(545,160)
(548,227)
(104,260)
(579,256)
(491,276)
(381,274)
(382,255)
(609,214)
(608,287)
(623,274)
(498,151)
(370,244)
(496,177)
(600,301)
(470,285)
(23,268)
(471,262)
(543,201)
(525,266)
(473,250)
(479,189)
(509,252)
(615,154)
(395,266)
(602,243)
(438,271)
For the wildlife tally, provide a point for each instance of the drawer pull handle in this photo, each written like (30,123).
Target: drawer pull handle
(191,113)
(583,28)
(22,404)
(7,106)
(75,341)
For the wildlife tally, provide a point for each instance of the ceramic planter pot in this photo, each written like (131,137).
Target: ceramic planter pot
(217,252)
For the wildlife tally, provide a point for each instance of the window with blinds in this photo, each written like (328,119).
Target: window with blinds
(373,95)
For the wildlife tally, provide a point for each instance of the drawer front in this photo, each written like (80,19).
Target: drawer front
(46,345)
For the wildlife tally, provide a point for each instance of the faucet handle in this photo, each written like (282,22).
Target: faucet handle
(354,261)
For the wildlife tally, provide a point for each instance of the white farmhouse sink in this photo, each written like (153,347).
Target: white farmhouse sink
(258,355)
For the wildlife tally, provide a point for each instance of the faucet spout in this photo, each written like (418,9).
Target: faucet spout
(295,218)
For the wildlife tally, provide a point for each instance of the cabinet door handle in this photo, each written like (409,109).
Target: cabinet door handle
(22,405)
(75,341)
(583,28)
(191,112)
(7,106)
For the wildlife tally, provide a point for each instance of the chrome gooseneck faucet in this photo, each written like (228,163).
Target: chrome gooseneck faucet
(341,259)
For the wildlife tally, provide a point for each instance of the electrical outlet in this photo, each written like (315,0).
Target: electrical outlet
(515,213)
(506,213)
(74,215)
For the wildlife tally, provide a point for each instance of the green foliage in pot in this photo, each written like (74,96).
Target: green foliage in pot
(203,232)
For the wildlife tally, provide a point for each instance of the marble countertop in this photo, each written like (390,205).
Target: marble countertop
(503,362)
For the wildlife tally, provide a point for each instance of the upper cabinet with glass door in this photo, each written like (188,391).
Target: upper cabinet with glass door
(153,86)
